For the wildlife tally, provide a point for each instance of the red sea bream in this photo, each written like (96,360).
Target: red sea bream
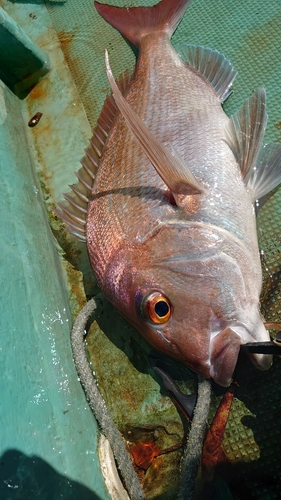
(166,197)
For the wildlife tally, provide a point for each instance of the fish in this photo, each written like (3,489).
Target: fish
(167,196)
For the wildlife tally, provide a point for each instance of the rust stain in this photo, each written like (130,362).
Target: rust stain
(45,129)
(278,126)
(144,454)
(36,92)
(212,449)
(65,37)
(76,289)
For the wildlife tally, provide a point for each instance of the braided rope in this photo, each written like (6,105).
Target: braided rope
(98,406)
(193,451)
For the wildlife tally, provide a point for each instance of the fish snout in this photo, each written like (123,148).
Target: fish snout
(225,349)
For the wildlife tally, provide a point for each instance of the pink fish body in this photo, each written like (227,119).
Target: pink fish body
(166,193)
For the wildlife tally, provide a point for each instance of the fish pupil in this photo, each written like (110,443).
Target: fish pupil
(161,308)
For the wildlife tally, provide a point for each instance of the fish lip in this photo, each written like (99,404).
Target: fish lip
(225,350)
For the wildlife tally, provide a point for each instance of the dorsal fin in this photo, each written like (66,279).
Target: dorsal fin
(212,65)
(73,211)
(169,165)
(246,130)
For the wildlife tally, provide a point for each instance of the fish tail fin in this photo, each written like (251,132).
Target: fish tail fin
(135,22)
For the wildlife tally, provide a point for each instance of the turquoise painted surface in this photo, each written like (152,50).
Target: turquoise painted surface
(47,450)
(48,436)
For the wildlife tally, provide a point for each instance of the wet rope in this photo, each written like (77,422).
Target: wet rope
(98,406)
(192,455)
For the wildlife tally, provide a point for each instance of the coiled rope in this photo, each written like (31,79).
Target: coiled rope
(193,451)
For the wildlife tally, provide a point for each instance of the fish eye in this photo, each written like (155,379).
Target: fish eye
(157,307)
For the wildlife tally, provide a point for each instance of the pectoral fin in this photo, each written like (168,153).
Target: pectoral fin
(171,167)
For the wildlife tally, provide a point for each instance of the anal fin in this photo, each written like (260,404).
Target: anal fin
(266,176)
(246,130)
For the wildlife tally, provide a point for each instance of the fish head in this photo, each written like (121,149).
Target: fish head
(177,318)
(187,304)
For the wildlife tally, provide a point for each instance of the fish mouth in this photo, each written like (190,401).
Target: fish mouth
(225,349)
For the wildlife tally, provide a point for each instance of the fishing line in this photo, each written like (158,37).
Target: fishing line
(98,406)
